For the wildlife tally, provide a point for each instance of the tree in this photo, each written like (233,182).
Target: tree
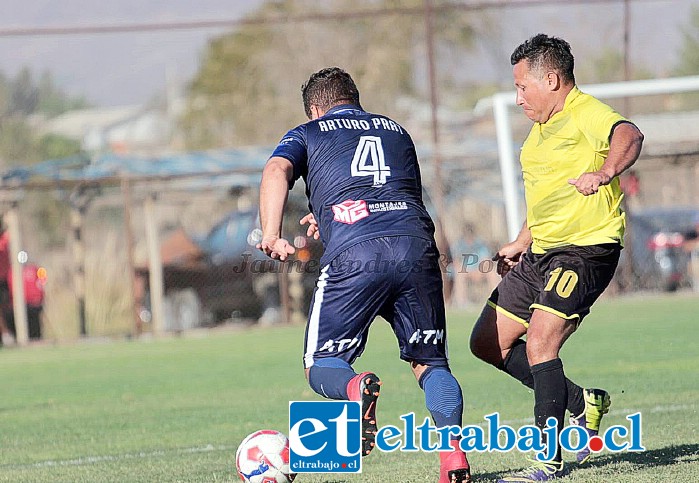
(689,52)
(247,90)
(24,96)
(21,97)
(53,101)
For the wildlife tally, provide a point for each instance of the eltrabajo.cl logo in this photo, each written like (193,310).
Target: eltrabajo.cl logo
(325,437)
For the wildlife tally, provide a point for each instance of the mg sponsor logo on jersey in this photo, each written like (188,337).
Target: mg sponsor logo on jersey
(325,437)
(350,211)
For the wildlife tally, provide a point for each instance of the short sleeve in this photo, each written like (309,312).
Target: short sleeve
(597,121)
(294,147)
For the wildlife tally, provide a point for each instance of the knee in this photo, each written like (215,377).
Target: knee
(484,347)
(540,350)
(477,344)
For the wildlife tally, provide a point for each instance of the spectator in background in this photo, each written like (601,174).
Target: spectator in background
(471,275)
(691,245)
(5,335)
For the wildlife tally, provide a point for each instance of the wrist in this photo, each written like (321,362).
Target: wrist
(608,175)
(522,244)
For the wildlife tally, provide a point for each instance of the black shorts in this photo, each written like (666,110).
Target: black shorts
(564,281)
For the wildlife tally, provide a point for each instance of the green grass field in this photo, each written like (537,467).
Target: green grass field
(173,410)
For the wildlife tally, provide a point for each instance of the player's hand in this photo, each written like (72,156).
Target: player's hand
(276,247)
(507,257)
(589,183)
(312,226)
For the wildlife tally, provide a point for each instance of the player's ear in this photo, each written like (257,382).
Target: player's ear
(316,112)
(553,81)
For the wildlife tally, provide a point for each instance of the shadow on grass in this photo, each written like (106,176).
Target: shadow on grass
(669,455)
(654,458)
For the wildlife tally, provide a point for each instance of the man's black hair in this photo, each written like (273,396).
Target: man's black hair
(544,53)
(329,87)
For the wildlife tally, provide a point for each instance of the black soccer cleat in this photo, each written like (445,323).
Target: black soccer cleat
(462,475)
(369,389)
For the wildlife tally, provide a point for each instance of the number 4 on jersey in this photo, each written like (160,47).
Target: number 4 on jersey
(369,160)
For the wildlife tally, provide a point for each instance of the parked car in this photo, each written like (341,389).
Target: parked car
(657,249)
(223,276)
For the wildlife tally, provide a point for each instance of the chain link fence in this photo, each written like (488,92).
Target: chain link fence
(126,258)
(111,256)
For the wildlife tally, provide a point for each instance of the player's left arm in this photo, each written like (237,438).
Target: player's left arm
(274,192)
(624,149)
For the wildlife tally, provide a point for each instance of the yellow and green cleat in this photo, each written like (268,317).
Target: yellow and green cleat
(597,402)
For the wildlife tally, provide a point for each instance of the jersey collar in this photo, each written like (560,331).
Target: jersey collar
(342,107)
(572,95)
(570,98)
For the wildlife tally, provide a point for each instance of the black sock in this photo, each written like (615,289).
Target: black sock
(517,366)
(550,395)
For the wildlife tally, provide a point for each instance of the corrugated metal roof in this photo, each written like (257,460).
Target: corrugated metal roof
(239,166)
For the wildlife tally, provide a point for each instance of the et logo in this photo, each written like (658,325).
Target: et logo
(325,437)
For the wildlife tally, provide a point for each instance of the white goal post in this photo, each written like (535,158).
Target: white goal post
(502,102)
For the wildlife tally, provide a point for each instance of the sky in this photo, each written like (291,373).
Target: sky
(131,68)
(115,68)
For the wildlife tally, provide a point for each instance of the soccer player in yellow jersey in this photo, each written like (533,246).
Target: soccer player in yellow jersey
(568,249)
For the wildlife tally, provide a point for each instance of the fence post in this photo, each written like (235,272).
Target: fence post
(155,264)
(80,198)
(19,305)
(128,233)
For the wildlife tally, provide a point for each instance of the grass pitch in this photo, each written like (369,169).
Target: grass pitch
(173,410)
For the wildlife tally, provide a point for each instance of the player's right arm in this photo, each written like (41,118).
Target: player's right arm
(508,255)
(274,191)
(624,149)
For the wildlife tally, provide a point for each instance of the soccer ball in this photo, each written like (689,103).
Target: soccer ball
(263,457)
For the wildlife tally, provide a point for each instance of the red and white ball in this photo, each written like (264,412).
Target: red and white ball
(263,457)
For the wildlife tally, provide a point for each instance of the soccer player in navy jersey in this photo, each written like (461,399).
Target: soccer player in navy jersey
(380,257)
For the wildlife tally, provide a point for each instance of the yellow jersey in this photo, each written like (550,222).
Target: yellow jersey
(574,141)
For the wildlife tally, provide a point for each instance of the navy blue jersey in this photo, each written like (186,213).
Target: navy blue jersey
(362,177)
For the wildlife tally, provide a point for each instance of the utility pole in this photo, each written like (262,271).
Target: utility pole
(437,184)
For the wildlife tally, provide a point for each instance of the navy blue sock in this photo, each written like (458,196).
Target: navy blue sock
(329,377)
(442,396)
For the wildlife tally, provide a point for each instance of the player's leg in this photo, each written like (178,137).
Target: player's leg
(572,279)
(545,335)
(444,401)
(346,300)
(497,335)
(418,320)
(327,374)
(596,269)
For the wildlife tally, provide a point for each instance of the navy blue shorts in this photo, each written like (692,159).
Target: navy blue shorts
(395,277)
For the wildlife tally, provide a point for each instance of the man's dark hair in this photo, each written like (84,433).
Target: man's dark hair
(544,53)
(327,88)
